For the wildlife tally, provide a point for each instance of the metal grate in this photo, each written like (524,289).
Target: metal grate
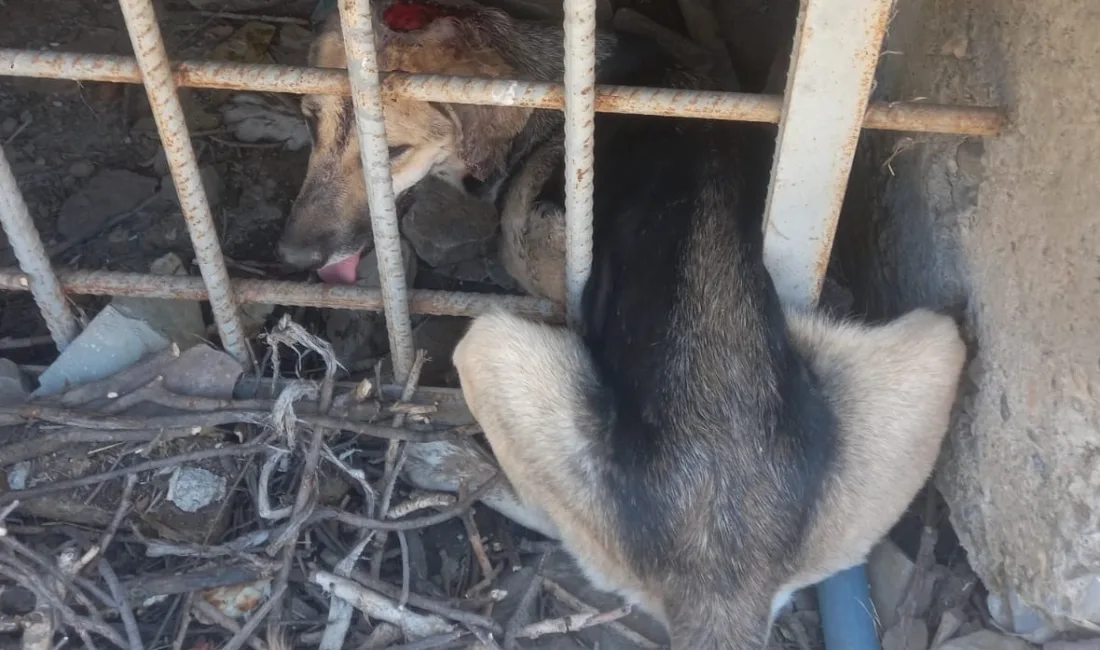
(836,50)
(826,104)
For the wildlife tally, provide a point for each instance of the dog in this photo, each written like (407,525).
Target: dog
(698,447)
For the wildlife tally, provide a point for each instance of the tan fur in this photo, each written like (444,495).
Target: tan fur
(459,140)
(892,388)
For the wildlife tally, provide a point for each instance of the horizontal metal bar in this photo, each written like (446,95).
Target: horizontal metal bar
(15,219)
(275,292)
(899,116)
(141,23)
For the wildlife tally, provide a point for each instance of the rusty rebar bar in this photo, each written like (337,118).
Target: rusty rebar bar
(895,116)
(38,277)
(580,116)
(356,20)
(141,24)
(435,303)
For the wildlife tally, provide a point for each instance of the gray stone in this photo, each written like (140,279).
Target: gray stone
(14,386)
(81,169)
(446,226)
(193,488)
(106,194)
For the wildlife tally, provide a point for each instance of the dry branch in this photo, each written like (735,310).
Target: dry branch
(379,607)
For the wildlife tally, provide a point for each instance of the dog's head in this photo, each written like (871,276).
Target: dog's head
(329,224)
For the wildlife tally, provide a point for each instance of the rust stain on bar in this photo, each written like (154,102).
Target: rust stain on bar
(902,116)
(275,292)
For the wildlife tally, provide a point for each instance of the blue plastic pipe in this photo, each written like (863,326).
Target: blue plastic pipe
(847,619)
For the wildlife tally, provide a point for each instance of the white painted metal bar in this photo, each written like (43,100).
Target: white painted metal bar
(833,60)
(366,94)
(580,115)
(27,245)
(156,70)
(833,64)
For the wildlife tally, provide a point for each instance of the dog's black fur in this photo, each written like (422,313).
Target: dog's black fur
(695,444)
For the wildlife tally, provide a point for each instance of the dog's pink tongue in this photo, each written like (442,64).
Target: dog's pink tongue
(342,272)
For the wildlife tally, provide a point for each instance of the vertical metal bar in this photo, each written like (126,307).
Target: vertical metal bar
(366,94)
(832,69)
(141,23)
(580,112)
(27,245)
(833,63)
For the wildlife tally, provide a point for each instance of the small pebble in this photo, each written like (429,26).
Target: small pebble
(40,161)
(58,104)
(82,169)
(9,126)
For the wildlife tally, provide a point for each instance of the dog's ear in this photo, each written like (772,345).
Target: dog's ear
(485,134)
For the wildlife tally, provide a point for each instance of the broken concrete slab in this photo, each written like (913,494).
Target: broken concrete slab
(123,333)
(447,226)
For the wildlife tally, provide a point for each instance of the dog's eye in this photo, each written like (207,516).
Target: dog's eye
(399,150)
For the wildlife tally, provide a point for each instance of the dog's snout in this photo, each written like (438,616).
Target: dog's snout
(300,256)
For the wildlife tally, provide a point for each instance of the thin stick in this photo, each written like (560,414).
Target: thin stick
(8,343)
(572,623)
(476,544)
(123,381)
(379,607)
(48,442)
(360,521)
(425,603)
(129,623)
(523,608)
(61,486)
(124,504)
(403,599)
(560,593)
(263,18)
(185,622)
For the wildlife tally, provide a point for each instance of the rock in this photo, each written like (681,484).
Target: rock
(888,571)
(81,169)
(14,386)
(446,226)
(253,119)
(106,194)
(951,622)
(18,475)
(986,640)
(211,181)
(906,634)
(438,336)
(193,488)
(9,125)
(1012,614)
(367,271)
(247,45)
(294,41)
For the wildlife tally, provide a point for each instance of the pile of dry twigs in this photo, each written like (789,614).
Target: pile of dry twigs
(311,539)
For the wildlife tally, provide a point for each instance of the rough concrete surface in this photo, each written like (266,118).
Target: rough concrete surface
(1011,225)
